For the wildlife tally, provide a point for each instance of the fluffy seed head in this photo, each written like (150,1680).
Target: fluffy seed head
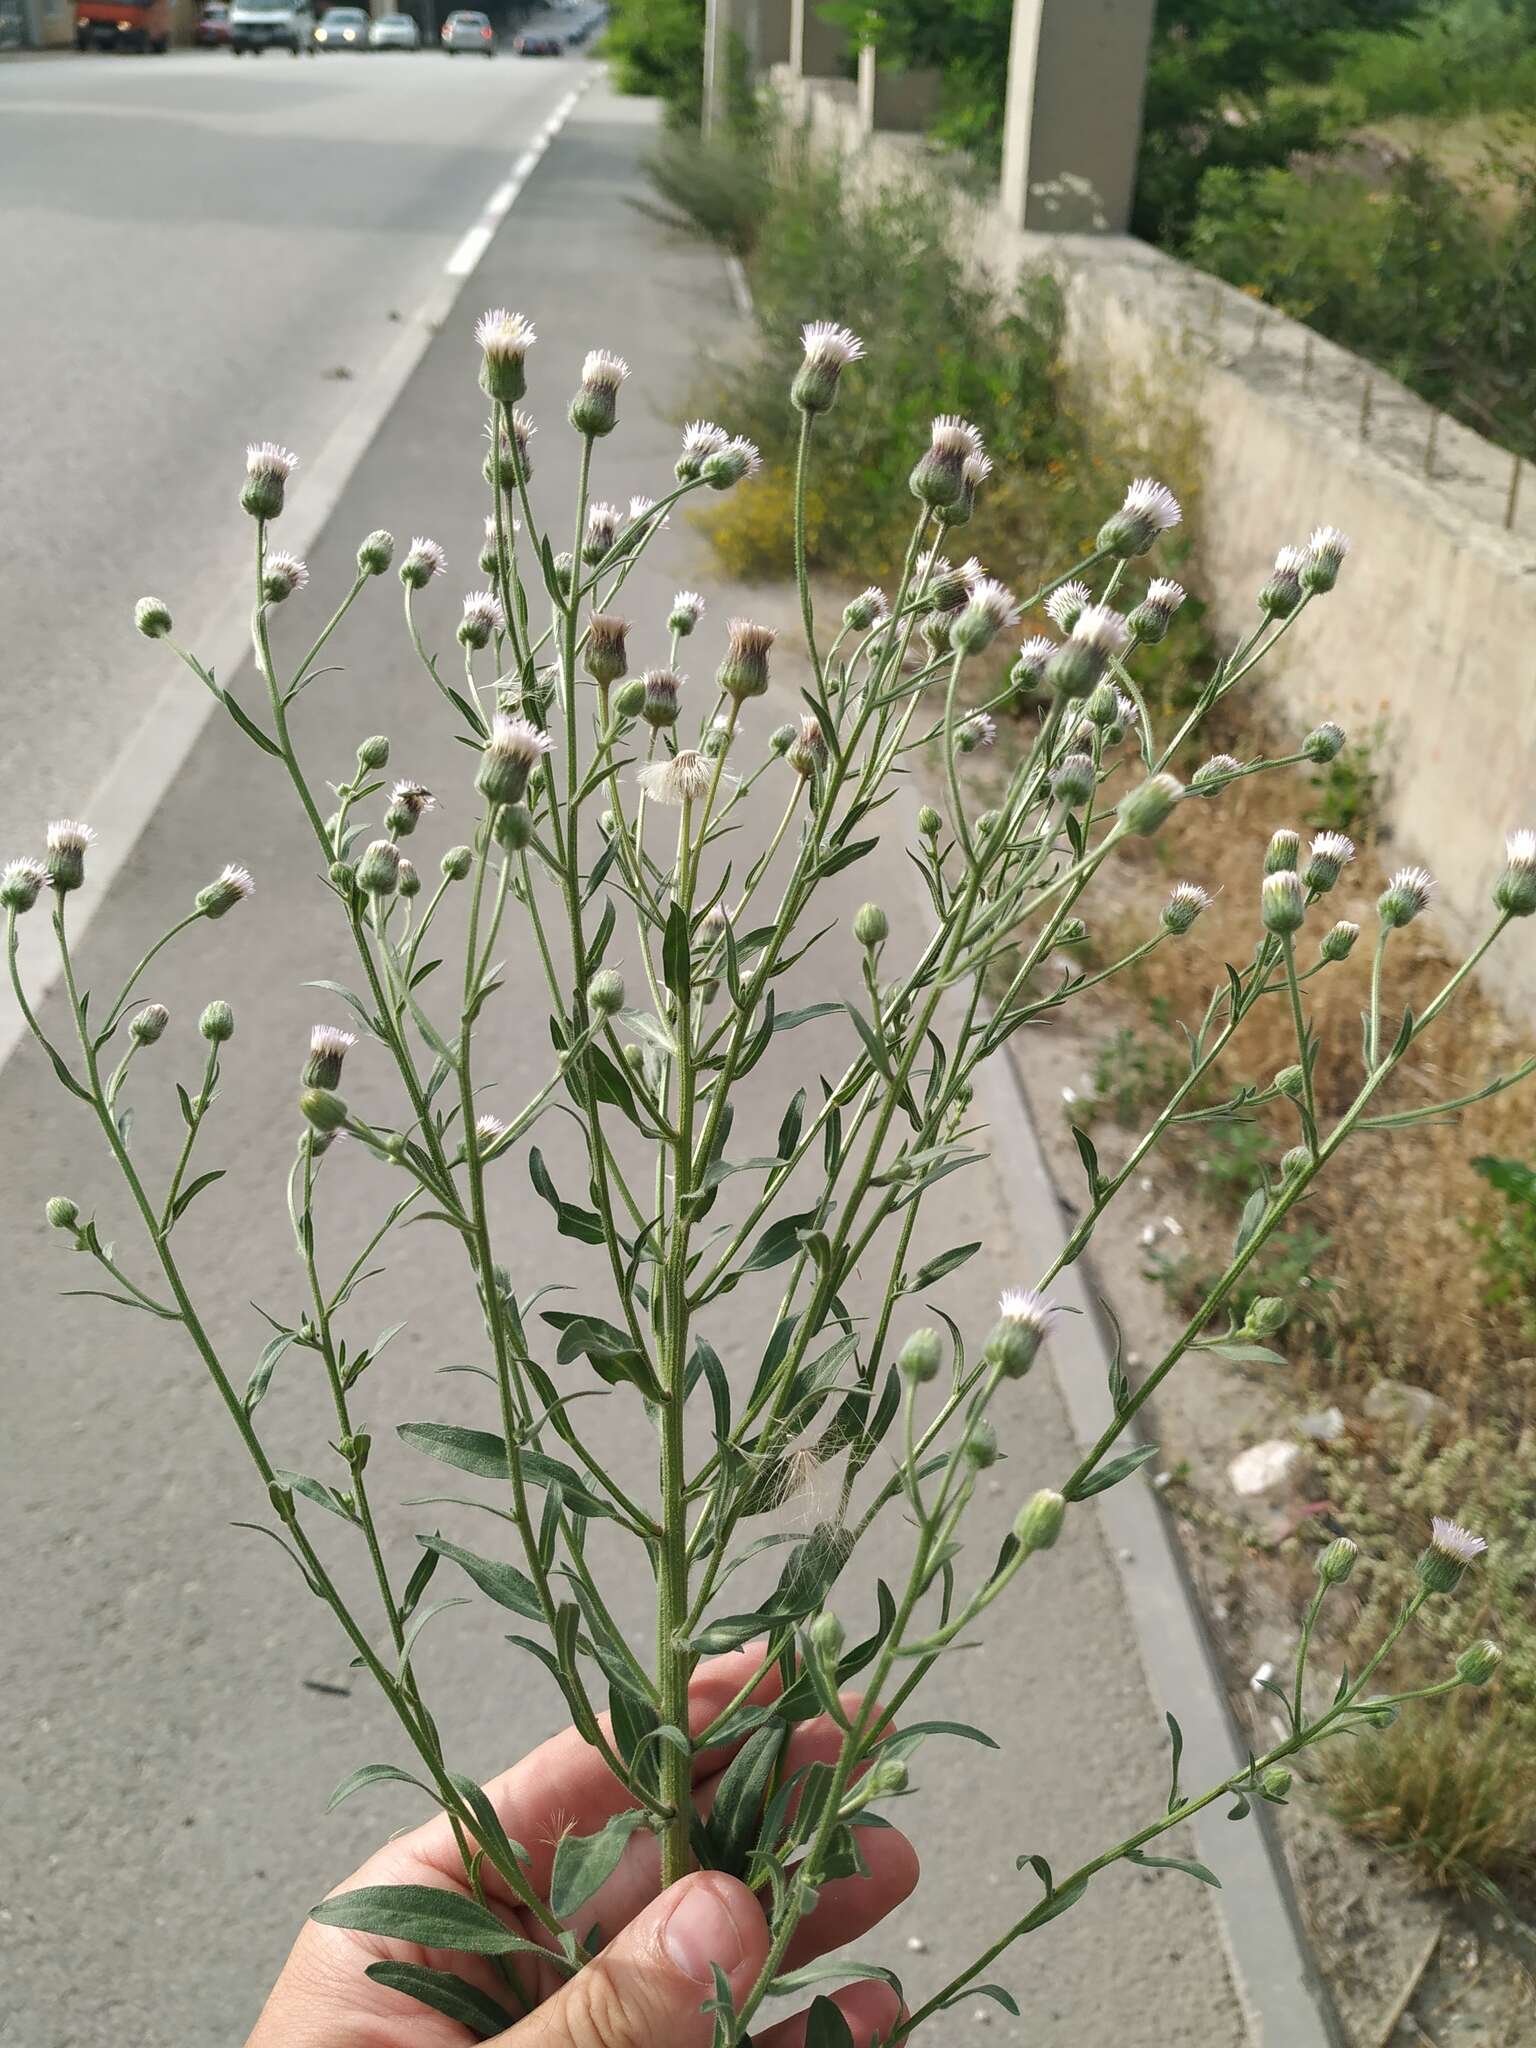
(606,654)
(682,779)
(744,671)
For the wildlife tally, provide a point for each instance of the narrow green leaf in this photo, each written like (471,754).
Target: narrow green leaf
(1185,1863)
(445,1993)
(1117,1469)
(733,1824)
(477,1451)
(431,1917)
(676,954)
(936,1269)
(503,1583)
(825,2026)
(1176,1739)
(373,1774)
(583,1863)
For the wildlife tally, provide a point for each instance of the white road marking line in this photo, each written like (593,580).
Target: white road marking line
(126,800)
(474,242)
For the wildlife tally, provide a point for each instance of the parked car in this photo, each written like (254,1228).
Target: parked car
(343,28)
(395,32)
(257,25)
(465,30)
(538,43)
(212,30)
(102,25)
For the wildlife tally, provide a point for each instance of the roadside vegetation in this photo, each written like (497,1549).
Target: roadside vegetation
(1422,1282)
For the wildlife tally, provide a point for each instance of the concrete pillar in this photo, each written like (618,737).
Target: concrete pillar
(900,102)
(1077,73)
(816,48)
(718,24)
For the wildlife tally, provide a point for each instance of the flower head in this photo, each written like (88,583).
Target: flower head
(808,749)
(701,439)
(603,370)
(1451,1549)
(1024,1317)
(21,882)
(868,609)
(1153,616)
(488,1130)
(1331,853)
(230,886)
(595,408)
(663,687)
(483,616)
(687,610)
(829,349)
(1324,742)
(1283,901)
(152,616)
(979,730)
(281,575)
(1101,629)
(504,339)
(602,531)
(1326,549)
(744,671)
(1150,508)
(1339,940)
(1067,603)
(1184,905)
(408,801)
(67,841)
(424,559)
(735,463)
(607,650)
(328,1048)
(681,780)
(1405,896)
(267,470)
(1282,593)
(1515,892)
(514,749)
(991,608)
(938,480)
(1212,776)
(1029,664)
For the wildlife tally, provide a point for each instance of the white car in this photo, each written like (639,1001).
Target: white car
(395,32)
(343,28)
(470,32)
(257,25)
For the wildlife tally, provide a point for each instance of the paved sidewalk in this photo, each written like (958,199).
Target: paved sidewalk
(166,1763)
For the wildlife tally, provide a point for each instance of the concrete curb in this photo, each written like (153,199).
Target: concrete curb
(1285,2002)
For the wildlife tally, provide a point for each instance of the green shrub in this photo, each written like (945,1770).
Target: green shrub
(1475,55)
(1506,1241)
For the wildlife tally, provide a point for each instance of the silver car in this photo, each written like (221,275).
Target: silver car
(395,32)
(468,32)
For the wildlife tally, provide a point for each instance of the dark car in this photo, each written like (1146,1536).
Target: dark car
(538,43)
(212,31)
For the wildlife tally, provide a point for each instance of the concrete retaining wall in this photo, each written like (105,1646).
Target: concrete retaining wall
(1432,630)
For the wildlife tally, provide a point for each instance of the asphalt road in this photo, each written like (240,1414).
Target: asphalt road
(201,251)
(175,1710)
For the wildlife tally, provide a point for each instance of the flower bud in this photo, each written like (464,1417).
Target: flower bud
(1071,932)
(868,609)
(513,830)
(1339,941)
(594,411)
(505,339)
(1283,902)
(1150,508)
(1336,1563)
(373,754)
(605,656)
(424,559)
(602,532)
(1038,1522)
(281,575)
(605,992)
(1291,1082)
(871,926)
(1144,809)
(1183,907)
(152,617)
(1275,1783)
(1477,1664)
(1405,896)
(921,1356)
(233,885)
(935,629)
(149,1025)
(456,863)
(343,877)
(21,883)
(61,1212)
(378,872)
(1326,549)
(1150,621)
(827,1638)
(662,687)
(888,1776)
(1067,603)
(1295,1162)
(66,844)
(217,1023)
(328,1048)
(630,701)
(376,553)
(808,751)
(829,349)
(1283,852)
(267,470)
(1212,776)
(1379,1716)
(323,1110)
(744,671)
(1074,780)
(732,464)
(991,610)
(409,884)
(1325,742)
(1027,675)
(482,617)
(1515,891)
(1265,1316)
(929,823)
(980,1446)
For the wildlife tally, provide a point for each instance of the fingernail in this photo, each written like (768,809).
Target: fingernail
(703,1929)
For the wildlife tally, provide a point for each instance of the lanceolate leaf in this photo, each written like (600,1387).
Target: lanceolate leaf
(825,2026)
(447,1994)
(738,1810)
(477,1451)
(585,1862)
(425,1914)
(504,1583)
(373,1774)
(1185,1863)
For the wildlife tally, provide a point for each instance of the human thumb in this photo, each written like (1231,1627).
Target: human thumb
(647,1988)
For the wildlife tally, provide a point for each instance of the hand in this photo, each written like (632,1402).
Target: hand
(647,1987)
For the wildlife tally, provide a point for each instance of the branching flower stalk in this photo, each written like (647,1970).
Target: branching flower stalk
(579,763)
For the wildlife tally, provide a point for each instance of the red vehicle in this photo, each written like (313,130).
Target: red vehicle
(133,25)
